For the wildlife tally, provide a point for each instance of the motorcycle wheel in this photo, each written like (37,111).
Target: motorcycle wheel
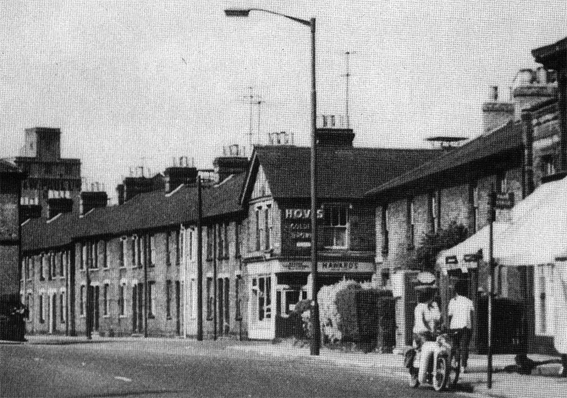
(413,383)
(455,372)
(441,376)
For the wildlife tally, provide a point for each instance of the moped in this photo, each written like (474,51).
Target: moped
(434,364)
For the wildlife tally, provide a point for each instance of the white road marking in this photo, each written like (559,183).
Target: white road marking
(123,379)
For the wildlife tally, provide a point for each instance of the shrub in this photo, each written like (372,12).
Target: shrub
(358,309)
(328,313)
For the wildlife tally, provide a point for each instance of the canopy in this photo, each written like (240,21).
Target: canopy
(538,233)
(466,254)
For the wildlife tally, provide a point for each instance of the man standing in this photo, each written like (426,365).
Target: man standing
(460,314)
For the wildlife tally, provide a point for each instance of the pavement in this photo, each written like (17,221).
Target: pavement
(543,382)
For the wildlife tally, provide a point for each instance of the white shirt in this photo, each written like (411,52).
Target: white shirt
(426,318)
(460,310)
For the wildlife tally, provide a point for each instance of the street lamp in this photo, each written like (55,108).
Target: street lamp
(244,12)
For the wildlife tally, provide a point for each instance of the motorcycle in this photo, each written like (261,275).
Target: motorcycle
(433,364)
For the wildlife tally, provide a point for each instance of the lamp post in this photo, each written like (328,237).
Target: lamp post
(244,12)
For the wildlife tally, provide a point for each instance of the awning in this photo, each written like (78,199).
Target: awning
(466,254)
(538,233)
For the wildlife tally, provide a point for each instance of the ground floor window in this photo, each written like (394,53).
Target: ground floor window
(261,298)
(152,299)
(210,298)
(82,300)
(62,306)
(106,299)
(41,308)
(121,297)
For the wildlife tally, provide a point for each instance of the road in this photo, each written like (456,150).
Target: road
(181,368)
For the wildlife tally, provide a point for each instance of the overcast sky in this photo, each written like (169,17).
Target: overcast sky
(132,83)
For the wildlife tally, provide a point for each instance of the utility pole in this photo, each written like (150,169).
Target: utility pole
(492,217)
(199,261)
(145,258)
(215,289)
(88,320)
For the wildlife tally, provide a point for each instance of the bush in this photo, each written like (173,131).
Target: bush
(328,314)
(432,243)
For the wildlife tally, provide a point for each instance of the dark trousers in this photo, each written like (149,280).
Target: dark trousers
(461,341)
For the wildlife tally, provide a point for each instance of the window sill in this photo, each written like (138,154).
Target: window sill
(106,316)
(122,316)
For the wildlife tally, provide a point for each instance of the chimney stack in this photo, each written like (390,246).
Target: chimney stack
(179,174)
(93,199)
(58,205)
(233,162)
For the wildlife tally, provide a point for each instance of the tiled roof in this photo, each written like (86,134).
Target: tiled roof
(550,55)
(143,212)
(343,172)
(38,233)
(506,138)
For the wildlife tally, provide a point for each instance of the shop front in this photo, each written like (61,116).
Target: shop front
(277,285)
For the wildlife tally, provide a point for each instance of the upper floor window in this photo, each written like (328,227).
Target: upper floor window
(335,226)
(209,242)
(152,251)
(221,240)
(547,165)
(411,223)
(103,254)
(123,255)
(502,182)
(268,227)
(434,211)
(474,201)
(237,235)
(385,229)
(168,248)
(258,230)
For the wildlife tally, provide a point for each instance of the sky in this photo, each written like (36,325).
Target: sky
(139,83)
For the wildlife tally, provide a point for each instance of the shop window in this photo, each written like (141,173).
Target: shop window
(261,298)
(335,226)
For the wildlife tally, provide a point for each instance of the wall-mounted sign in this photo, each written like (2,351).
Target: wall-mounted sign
(504,200)
(451,260)
(301,214)
(330,266)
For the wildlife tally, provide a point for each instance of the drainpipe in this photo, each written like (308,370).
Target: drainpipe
(214,281)
(146,293)
(528,158)
(199,262)
(562,104)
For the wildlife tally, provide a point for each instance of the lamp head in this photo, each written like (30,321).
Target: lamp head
(237,12)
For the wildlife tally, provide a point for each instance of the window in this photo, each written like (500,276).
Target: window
(190,249)
(502,182)
(193,298)
(94,255)
(237,243)
(42,266)
(83,255)
(152,299)
(82,299)
(434,211)
(334,228)
(168,299)
(106,300)
(209,242)
(238,299)
(123,255)
(210,298)
(220,245)
(152,251)
(547,165)
(104,257)
(62,307)
(41,308)
(261,298)
(121,297)
(411,224)
(62,263)
(385,233)
(267,227)
(168,248)
(178,243)
(258,230)
(474,200)
(134,251)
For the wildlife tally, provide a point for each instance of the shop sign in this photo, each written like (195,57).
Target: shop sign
(301,214)
(330,266)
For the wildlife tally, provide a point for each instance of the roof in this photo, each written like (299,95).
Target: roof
(8,167)
(550,55)
(342,172)
(503,139)
(145,211)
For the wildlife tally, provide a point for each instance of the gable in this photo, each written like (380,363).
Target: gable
(261,187)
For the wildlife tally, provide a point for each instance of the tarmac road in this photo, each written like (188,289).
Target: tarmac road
(181,368)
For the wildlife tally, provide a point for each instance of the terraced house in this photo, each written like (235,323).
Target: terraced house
(131,269)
